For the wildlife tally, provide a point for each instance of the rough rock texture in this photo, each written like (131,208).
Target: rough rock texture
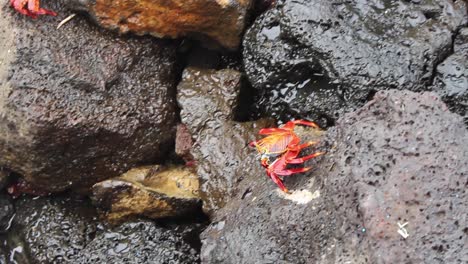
(4,177)
(401,158)
(315,58)
(183,143)
(151,191)
(79,104)
(451,80)
(51,229)
(220,20)
(64,230)
(6,213)
(208,100)
(138,242)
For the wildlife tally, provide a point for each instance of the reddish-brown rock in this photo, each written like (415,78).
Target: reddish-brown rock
(220,20)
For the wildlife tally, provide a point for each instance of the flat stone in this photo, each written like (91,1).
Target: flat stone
(151,191)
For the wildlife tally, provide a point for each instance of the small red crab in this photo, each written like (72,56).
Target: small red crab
(30,8)
(280,139)
(284,145)
(278,166)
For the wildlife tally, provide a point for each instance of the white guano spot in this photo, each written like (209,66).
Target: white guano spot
(300,197)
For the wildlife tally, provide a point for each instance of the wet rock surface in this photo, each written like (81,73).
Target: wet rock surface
(220,20)
(46,230)
(65,230)
(402,158)
(451,79)
(6,213)
(315,59)
(138,242)
(208,99)
(78,104)
(151,191)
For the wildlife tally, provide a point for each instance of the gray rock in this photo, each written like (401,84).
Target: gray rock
(401,158)
(208,101)
(451,79)
(79,104)
(316,59)
(138,242)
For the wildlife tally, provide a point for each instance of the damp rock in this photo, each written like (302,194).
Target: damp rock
(138,242)
(50,229)
(319,59)
(151,191)
(6,213)
(208,101)
(183,143)
(4,177)
(401,159)
(221,21)
(451,77)
(79,104)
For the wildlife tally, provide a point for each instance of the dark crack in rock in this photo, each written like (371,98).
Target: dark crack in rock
(402,158)
(317,59)
(78,104)
(451,79)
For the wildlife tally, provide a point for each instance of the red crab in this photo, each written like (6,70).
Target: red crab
(280,139)
(278,166)
(30,8)
(283,144)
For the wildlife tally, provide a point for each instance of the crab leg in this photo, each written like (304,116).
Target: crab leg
(304,122)
(305,158)
(278,182)
(273,130)
(289,172)
(33,6)
(20,6)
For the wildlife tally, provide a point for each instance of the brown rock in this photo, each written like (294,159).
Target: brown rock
(220,20)
(183,143)
(80,105)
(151,191)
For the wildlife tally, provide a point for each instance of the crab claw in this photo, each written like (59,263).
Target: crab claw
(278,182)
(30,8)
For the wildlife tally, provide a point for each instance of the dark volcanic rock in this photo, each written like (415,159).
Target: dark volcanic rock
(138,242)
(79,104)
(51,229)
(4,177)
(65,230)
(401,158)
(451,80)
(208,101)
(315,58)
(6,213)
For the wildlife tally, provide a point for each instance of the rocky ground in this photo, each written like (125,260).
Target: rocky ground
(121,147)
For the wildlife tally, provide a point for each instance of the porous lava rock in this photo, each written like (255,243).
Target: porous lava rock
(401,159)
(318,59)
(64,229)
(219,20)
(78,104)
